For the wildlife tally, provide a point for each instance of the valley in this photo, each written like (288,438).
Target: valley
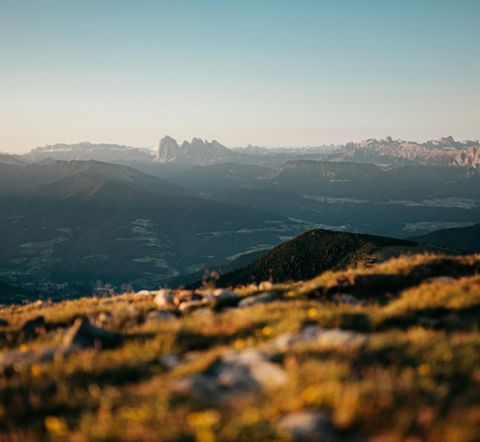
(143,220)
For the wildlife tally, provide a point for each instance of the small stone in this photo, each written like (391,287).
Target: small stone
(189,306)
(440,279)
(313,334)
(104,317)
(82,334)
(169,361)
(41,303)
(183,296)
(232,376)
(265,285)
(225,298)
(262,298)
(145,293)
(164,298)
(308,426)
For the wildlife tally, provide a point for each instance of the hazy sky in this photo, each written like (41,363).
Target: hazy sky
(273,73)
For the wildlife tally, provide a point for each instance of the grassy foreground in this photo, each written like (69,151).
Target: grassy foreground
(387,353)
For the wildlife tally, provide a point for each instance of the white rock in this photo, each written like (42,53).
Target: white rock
(169,361)
(314,334)
(164,298)
(232,376)
(308,426)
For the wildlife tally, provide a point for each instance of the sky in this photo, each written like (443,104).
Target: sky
(261,72)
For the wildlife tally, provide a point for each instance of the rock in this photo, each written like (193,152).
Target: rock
(145,293)
(169,361)
(3,322)
(440,279)
(224,299)
(189,306)
(307,426)
(42,303)
(32,326)
(104,317)
(184,296)
(313,334)
(223,292)
(265,285)
(262,298)
(82,334)
(164,298)
(231,377)
(159,315)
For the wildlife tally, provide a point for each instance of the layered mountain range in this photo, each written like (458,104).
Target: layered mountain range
(445,151)
(90,151)
(148,217)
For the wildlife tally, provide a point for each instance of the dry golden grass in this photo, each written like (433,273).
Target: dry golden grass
(416,377)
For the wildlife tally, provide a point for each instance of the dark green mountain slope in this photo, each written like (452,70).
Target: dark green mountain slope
(460,238)
(314,252)
(85,221)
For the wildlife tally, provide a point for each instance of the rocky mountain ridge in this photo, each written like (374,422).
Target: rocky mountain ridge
(445,151)
(197,152)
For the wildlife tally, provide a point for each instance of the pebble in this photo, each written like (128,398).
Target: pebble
(308,426)
(232,376)
(189,306)
(169,361)
(164,298)
(313,334)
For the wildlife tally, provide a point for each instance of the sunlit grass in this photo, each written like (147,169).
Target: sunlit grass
(416,375)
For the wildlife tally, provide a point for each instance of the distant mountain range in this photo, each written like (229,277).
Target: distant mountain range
(445,151)
(6,158)
(110,153)
(148,217)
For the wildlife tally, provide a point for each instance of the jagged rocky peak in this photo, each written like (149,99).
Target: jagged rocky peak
(197,142)
(168,150)
(443,151)
(197,151)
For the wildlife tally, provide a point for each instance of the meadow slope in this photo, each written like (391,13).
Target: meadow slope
(385,353)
